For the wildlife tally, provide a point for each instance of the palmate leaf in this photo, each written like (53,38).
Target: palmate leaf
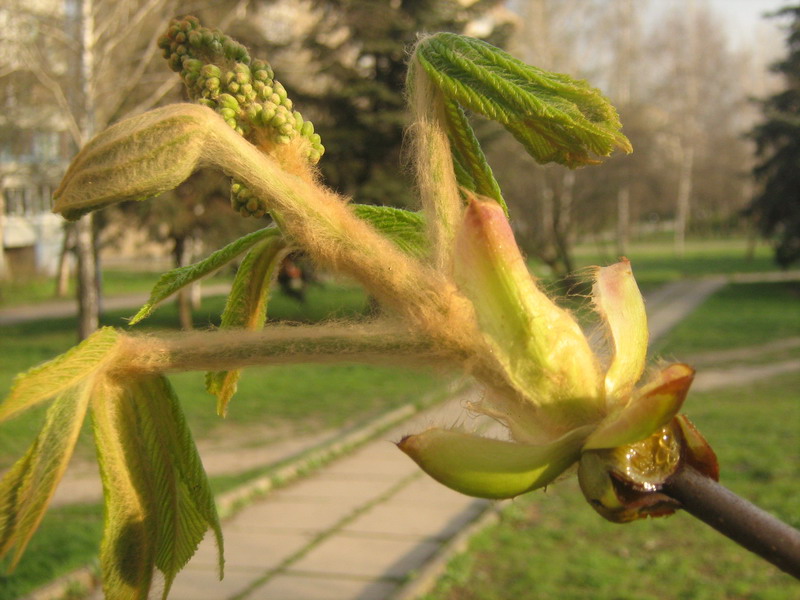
(158,501)
(172,281)
(556,118)
(246,307)
(63,372)
(28,486)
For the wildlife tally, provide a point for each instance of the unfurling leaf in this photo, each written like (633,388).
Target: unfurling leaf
(158,501)
(556,118)
(135,159)
(172,281)
(247,306)
(27,488)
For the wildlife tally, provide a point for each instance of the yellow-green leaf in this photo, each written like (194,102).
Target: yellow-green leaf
(158,497)
(27,488)
(246,307)
(63,372)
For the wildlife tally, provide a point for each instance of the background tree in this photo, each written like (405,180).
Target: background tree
(776,207)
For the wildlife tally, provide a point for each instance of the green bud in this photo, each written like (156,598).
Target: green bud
(227,113)
(286,129)
(247,90)
(212,84)
(266,115)
(195,39)
(233,87)
(228,101)
(307,129)
(278,120)
(280,90)
(283,139)
(242,78)
(210,71)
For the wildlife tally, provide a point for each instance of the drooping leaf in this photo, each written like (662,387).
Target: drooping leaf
(186,508)
(246,307)
(158,501)
(29,485)
(489,468)
(127,551)
(405,228)
(61,373)
(556,118)
(172,281)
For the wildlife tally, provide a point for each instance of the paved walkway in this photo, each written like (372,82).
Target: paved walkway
(367,523)
(60,309)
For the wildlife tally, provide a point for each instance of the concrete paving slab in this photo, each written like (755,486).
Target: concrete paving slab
(364,556)
(429,521)
(303,587)
(254,550)
(202,583)
(290,515)
(324,486)
(426,492)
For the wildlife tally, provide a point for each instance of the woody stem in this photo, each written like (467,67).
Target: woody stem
(743,522)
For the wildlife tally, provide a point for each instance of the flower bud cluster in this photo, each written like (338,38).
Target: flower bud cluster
(219,73)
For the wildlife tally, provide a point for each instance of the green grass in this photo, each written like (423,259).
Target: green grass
(114,282)
(68,538)
(737,315)
(655,263)
(552,546)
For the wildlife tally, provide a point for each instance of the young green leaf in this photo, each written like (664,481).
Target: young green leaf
(158,501)
(556,118)
(27,488)
(127,551)
(62,373)
(247,306)
(405,228)
(172,281)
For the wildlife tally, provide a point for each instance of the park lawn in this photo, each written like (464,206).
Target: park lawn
(738,315)
(550,545)
(115,282)
(655,262)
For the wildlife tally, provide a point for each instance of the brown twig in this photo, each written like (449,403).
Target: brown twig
(736,518)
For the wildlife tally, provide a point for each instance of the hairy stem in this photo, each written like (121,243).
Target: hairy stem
(284,344)
(435,174)
(736,518)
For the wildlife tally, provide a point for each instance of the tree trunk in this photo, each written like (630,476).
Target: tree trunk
(623,219)
(684,199)
(183,298)
(88,298)
(63,270)
(3,264)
